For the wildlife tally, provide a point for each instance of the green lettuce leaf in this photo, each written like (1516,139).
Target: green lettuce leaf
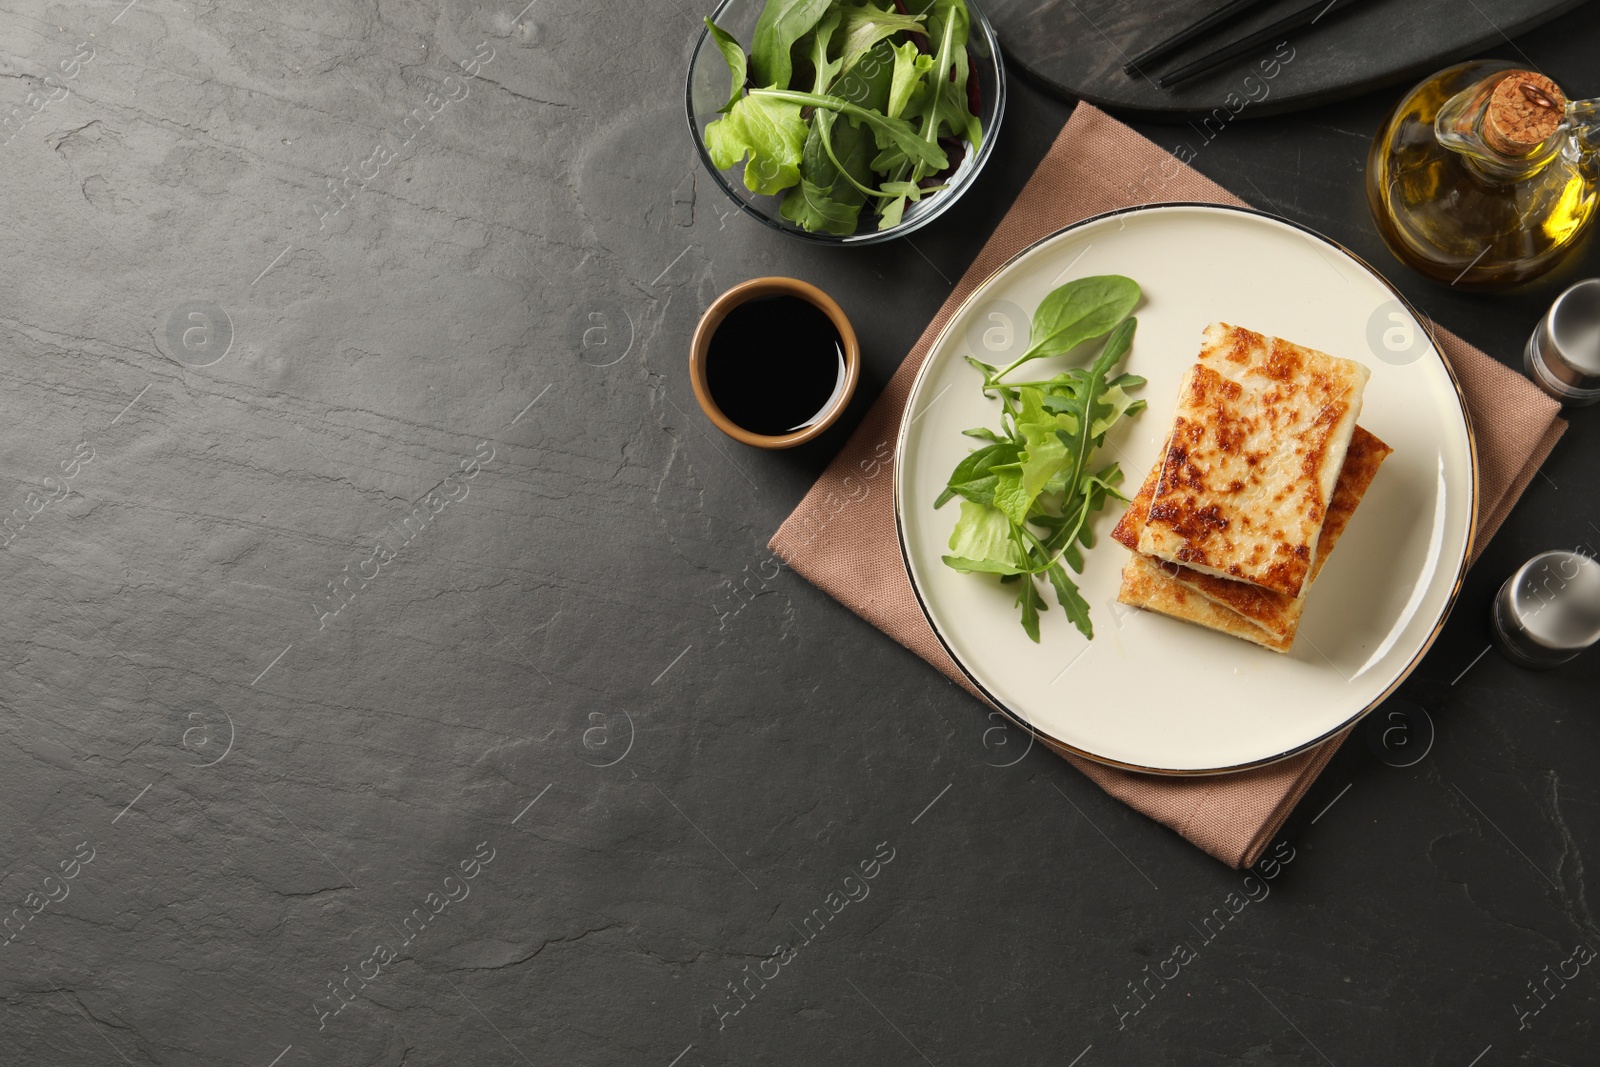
(1047,453)
(982,542)
(773,133)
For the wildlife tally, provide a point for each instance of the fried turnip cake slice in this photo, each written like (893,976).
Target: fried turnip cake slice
(1261,615)
(1257,443)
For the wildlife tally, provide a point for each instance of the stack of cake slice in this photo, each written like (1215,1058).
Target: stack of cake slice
(1262,471)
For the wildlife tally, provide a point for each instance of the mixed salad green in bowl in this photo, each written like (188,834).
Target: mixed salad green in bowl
(845,121)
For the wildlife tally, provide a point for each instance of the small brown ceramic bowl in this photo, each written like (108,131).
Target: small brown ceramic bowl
(751,290)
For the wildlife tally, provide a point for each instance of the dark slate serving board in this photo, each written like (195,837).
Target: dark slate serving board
(1076,49)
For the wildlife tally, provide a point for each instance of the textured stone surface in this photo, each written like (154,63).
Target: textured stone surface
(269,790)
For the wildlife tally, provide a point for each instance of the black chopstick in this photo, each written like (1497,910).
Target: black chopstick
(1306,16)
(1226,13)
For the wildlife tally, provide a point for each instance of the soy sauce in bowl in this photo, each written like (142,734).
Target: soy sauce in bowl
(775,365)
(774,362)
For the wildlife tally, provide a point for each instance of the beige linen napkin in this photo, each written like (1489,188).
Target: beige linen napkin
(844,542)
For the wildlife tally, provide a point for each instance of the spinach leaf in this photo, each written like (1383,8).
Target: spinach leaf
(1077,312)
(867,82)
(974,477)
(815,209)
(782,23)
(830,196)
(736,62)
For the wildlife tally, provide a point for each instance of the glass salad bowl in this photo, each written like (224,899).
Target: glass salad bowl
(707,92)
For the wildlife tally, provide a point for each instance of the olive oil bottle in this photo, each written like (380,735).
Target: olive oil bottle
(1485,175)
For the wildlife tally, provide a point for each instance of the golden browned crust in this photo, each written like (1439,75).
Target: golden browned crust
(1240,608)
(1257,443)
(1146,584)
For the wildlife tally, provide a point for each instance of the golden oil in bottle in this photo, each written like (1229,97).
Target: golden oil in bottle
(1484,176)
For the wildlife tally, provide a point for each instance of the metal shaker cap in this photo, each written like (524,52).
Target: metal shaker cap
(1563,355)
(1549,610)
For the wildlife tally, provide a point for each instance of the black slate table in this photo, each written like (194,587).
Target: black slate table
(546,777)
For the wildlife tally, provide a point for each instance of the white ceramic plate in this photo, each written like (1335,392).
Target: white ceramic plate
(1152,693)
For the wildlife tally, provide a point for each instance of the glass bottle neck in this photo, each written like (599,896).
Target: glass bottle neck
(1459,127)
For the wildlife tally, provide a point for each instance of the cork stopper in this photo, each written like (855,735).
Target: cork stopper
(1525,109)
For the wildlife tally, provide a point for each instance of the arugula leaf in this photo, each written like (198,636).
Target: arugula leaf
(824,69)
(940,12)
(1070,599)
(950,105)
(736,61)
(899,157)
(910,66)
(866,25)
(901,192)
(1032,603)
(951,33)
(1035,472)
(892,134)
(1089,407)
(1117,346)
(771,130)
(985,368)
(1120,404)
(902,147)
(782,23)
